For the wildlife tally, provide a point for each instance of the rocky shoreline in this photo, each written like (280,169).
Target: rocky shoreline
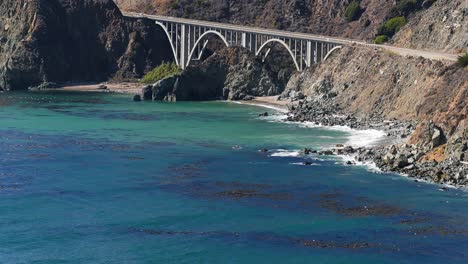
(422,161)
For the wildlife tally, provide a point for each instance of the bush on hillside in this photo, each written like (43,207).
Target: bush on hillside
(381,39)
(392,26)
(353,11)
(163,71)
(405,7)
(462,60)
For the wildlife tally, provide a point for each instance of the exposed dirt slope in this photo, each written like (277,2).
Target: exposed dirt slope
(371,83)
(444,26)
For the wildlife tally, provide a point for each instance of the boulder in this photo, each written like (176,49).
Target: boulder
(164,89)
(147,92)
(137,98)
(401,161)
(437,138)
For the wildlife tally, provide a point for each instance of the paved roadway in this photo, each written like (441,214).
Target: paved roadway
(433,55)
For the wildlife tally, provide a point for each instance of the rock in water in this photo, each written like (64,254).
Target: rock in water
(137,98)
(147,92)
(230,74)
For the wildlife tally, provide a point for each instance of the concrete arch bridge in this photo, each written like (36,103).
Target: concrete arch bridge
(189,38)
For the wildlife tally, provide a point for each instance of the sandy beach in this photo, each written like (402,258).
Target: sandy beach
(126,87)
(135,88)
(269,102)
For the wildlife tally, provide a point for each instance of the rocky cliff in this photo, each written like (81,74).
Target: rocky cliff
(444,26)
(228,74)
(73,40)
(370,83)
(373,88)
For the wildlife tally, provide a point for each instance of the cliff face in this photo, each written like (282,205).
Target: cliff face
(373,83)
(73,40)
(229,74)
(444,26)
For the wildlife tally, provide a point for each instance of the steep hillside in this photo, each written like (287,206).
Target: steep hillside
(73,40)
(373,83)
(444,26)
(324,16)
(442,21)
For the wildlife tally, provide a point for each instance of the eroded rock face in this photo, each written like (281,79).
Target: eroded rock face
(73,40)
(369,83)
(371,87)
(444,26)
(230,74)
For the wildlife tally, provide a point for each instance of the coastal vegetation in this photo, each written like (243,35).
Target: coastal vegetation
(389,29)
(166,69)
(399,16)
(462,60)
(381,39)
(353,11)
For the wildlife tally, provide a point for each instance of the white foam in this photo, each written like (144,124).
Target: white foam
(286,153)
(370,165)
(302,164)
(276,108)
(356,137)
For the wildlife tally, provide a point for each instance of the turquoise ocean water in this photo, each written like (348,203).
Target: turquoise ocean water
(96,178)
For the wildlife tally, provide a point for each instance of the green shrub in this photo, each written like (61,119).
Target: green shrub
(353,11)
(462,60)
(175,4)
(392,26)
(381,39)
(161,72)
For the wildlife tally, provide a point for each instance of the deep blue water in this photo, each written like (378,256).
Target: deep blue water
(95,178)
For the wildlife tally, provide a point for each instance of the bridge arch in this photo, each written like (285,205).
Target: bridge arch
(282,43)
(209,32)
(331,51)
(169,38)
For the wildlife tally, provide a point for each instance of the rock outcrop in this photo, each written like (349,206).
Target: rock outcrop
(73,40)
(371,83)
(230,74)
(363,88)
(444,26)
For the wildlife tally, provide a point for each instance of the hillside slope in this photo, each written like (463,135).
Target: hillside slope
(443,22)
(444,26)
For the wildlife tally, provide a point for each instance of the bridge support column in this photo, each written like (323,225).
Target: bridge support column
(183,48)
(244,40)
(309,54)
